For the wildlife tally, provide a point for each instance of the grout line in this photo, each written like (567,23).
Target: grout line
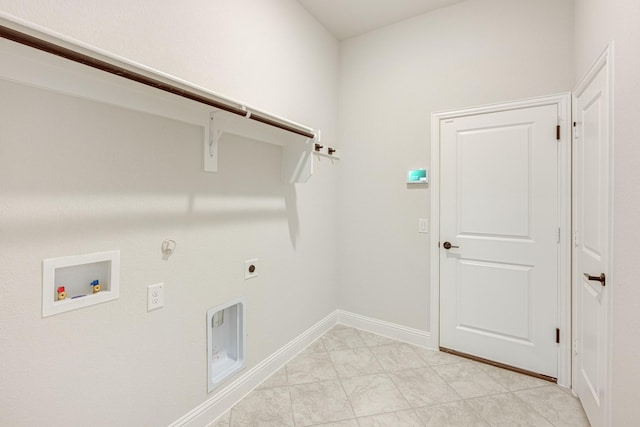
(345,392)
(388,373)
(532,408)
(466,403)
(342,386)
(293,417)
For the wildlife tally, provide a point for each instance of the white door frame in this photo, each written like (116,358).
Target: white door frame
(563,102)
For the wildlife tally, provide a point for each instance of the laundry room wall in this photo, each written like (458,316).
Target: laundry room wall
(80,176)
(391,80)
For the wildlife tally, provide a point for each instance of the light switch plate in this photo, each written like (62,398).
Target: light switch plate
(423,225)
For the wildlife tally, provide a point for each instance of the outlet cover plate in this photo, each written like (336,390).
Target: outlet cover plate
(155,296)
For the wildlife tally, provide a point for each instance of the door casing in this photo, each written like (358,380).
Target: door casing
(563,103)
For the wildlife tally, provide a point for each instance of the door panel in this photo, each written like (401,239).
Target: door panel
(480,282)
(499,204)
(508,213)
(591,247)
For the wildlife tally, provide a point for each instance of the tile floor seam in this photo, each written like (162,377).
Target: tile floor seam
(485,380)
(293,417)
(343,389)
(326,381)
(387,372)
(332,422)
(286,373)
(362,375)
(322,344)
(447,383)
(466,402)
(413,410)
(532,408)
(400,391)
(434,403)
(517,398)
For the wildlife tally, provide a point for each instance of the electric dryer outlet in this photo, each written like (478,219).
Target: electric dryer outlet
(251,269)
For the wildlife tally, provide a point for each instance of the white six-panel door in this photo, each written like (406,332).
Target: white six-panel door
(499,211)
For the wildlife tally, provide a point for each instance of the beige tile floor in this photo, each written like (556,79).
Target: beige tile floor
(352,378)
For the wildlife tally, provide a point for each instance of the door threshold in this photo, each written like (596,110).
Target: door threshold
(499,365)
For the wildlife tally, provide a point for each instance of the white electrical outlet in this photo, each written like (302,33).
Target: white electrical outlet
(250,269)
(155,296)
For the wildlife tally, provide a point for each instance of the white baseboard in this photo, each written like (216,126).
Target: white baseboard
(387,329)
(218,404)
(206,413)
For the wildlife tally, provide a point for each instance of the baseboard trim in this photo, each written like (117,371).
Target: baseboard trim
(211,409)
(387,329)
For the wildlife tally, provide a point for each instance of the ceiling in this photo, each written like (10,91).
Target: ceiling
(349,18)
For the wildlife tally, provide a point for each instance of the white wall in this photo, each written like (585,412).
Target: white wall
(391,80)
(74,183)
(251,50)
(598,22)
(79,177)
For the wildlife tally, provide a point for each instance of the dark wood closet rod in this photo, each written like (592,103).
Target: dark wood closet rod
(54,49)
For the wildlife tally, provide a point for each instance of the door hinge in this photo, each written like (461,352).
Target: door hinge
(575,346)
(558,132)
(558,234)
(557,335)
